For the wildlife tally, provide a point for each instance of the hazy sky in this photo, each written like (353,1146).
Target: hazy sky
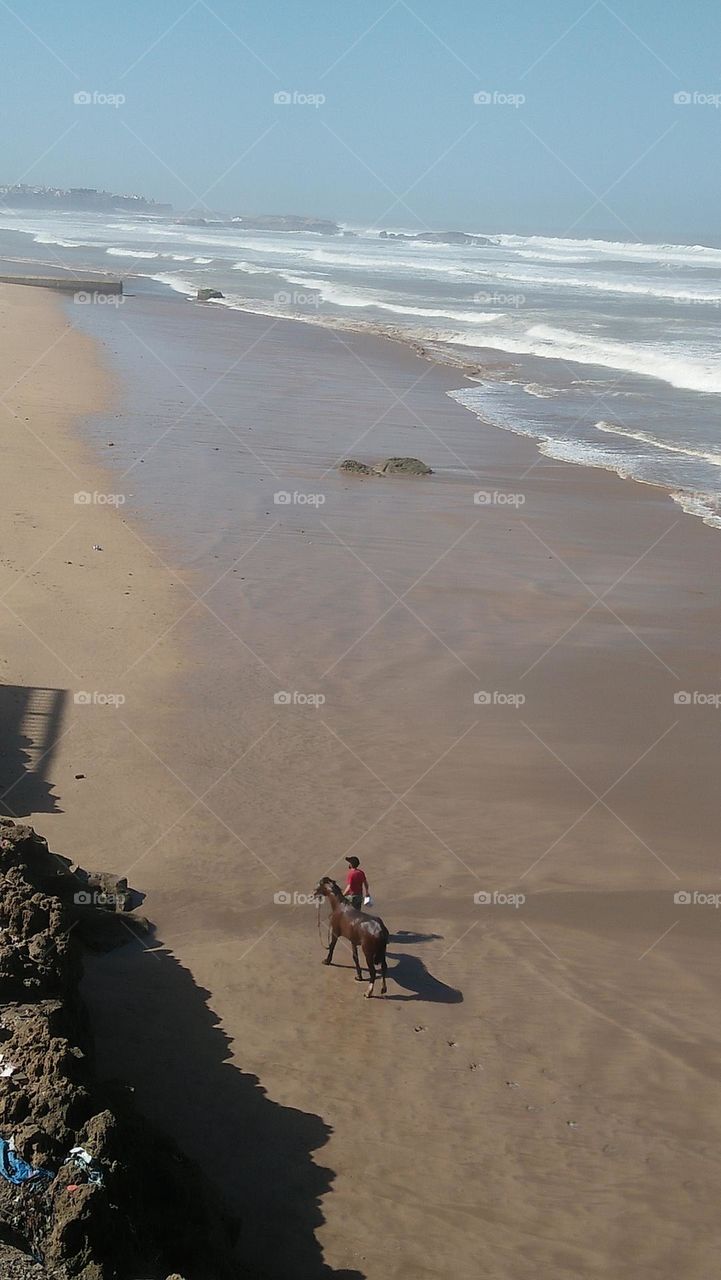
(598,144)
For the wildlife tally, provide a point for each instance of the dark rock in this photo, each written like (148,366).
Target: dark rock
(208,295)
(402,467)
(355,468)
(438,237)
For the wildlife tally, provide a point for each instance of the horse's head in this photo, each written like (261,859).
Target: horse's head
(327,888)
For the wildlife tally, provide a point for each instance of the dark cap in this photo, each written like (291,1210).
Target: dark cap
(353,862)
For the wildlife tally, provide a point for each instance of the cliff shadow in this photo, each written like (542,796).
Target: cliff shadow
(153,1027)
(30,728)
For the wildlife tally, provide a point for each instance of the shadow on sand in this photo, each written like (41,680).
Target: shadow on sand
(30,727)
(154,1029)
(406,936)
(410,973)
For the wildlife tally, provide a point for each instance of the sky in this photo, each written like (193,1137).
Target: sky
(579,130)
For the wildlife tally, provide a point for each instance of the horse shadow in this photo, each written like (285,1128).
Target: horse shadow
(408,937)
(410,973)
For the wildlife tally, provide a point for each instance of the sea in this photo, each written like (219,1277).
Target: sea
(605,352)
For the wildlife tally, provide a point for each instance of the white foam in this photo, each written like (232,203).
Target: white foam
(686,254)
(540,391)
(42,238)
(585,280)
(644,437)
(175,282)
(704,505)
(130,253)
(666,364)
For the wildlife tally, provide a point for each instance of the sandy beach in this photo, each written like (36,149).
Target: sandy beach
(501,717)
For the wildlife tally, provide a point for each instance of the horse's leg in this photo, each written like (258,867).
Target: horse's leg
(371,971)
(384,972)
(331,949)
(359,975)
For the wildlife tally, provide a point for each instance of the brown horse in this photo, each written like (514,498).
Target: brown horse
(361,930)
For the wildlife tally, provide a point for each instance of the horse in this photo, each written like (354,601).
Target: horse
(361,930)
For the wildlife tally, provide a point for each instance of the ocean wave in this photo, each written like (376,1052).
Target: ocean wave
(587,281)
(130,253)
(564,448)
(706,506)
(645,437)
(42,238)
(667,365)
(686,254)
(541,392)
(174,282)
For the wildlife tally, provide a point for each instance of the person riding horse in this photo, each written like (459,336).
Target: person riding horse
(361,930)
(356,884)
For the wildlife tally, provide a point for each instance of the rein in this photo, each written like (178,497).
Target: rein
(325,945)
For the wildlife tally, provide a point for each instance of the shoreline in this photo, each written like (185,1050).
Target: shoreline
(694,502)
(592,1000)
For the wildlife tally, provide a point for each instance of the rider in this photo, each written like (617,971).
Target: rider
(357,885)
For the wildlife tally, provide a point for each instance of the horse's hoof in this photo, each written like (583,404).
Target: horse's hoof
(358,979)
(325,961)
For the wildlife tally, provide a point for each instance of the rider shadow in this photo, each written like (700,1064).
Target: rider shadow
(411,973)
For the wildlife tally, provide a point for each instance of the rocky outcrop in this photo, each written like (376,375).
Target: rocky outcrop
(268,222)
(208,295)
(439,237)
(88,1188)
(389,467)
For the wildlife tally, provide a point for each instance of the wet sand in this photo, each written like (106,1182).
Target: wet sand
(537,1094)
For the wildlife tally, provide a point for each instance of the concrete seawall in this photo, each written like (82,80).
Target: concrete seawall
(68,284)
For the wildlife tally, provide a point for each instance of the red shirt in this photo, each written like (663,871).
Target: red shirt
(356,879)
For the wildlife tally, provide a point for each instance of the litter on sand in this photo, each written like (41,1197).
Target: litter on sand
(16,1170)
(82,1159)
